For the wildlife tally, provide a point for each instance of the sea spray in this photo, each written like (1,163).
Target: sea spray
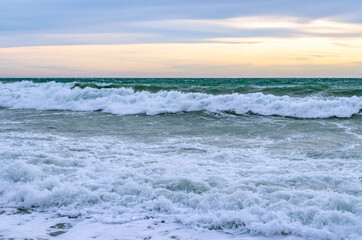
(123,101)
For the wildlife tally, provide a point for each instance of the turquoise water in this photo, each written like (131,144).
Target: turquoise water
(184,158)
(283,86)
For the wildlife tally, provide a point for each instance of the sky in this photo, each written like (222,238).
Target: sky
(183,38)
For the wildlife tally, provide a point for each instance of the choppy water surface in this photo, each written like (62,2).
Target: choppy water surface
(181,158)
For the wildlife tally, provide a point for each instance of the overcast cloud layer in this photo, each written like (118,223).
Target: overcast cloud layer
(67,22)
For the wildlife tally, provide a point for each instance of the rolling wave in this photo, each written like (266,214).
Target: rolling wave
(125,100)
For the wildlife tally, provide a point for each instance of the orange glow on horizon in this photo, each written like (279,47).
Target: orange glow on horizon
(216,57)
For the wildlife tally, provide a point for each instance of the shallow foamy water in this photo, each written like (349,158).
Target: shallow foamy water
(198,175)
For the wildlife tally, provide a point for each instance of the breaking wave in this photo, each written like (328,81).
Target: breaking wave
(124,101)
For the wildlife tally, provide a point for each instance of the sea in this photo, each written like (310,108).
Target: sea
(181,158)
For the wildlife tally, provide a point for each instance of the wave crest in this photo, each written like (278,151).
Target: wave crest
(123,101)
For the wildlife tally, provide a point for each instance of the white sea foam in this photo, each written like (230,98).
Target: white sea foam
(167,190)
(91,175)
(61,96)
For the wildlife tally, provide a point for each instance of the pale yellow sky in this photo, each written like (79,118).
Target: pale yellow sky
(229,57)
(321,48)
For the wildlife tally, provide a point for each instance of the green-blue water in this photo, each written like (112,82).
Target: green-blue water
(276,86)
(179,158)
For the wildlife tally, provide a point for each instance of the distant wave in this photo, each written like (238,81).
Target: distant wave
(123,101)
(216,88)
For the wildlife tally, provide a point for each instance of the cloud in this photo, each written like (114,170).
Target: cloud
(17,40)
(40,22)
(315,26)
(229,30)
(269,25)
(88,15)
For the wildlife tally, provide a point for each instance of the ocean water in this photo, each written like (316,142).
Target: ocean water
(181,159)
